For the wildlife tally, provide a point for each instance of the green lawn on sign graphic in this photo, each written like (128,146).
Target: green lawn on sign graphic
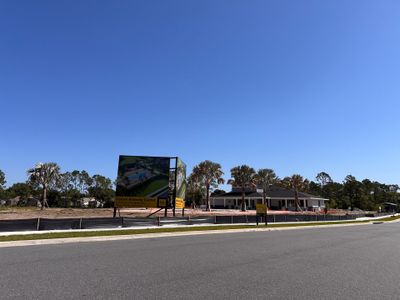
(154,186)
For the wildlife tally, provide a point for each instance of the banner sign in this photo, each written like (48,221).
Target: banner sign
(180,184)
(142,181)
(150,182)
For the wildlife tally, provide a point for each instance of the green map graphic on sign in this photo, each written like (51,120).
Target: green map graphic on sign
(142,176)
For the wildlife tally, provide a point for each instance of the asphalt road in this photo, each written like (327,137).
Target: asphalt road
(357,262)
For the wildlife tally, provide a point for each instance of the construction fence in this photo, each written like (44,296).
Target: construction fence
(38,224)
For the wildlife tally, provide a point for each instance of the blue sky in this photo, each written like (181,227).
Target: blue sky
(297,86)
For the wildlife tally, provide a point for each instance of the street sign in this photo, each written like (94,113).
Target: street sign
(180,203)
(261,209)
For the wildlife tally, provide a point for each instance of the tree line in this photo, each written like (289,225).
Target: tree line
(46,183)
(348,194)
(51,187)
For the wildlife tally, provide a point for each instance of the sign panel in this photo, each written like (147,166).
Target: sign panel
(142,181)
(127,202)
(179,203)
(180,184)
(261,209)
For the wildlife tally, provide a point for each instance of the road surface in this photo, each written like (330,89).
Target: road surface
(355,262)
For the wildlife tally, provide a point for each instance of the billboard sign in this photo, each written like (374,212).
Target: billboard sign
(142,181)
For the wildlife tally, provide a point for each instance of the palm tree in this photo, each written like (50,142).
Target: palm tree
(44,175)
(264,178)
(297,183)
(208,174)
(244,177)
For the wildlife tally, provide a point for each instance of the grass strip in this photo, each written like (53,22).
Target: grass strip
(387,219)
(74,234)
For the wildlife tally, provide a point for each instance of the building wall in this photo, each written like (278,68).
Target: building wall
(234,203)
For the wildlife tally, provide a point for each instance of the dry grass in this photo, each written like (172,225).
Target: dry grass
(9,213)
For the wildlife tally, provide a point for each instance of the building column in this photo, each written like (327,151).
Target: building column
(224,203)
(286,203)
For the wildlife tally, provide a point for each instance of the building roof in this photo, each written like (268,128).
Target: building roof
(272,192)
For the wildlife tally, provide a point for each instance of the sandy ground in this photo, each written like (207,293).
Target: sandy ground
(33,212)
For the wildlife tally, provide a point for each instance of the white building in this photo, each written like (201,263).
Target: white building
(90,202)
(277,198)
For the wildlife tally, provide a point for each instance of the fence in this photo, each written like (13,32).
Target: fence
(92,223)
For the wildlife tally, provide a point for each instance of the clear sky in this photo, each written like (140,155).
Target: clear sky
(297,86)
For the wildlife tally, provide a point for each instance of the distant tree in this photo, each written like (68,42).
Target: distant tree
(85,181)
(2,180)
(334,192)
(352,191)
(367,194)
(208,174)
(393,188)
(44,175)
(102,189)
(195,192)
(81,181)
(297,183)
(315,188)
(64,182)
(75,179)
(219,192)
(264,178)
(68,191)
(323,179)
(22,189)
(243,177)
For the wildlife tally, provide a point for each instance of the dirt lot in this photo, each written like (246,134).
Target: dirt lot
(7,213)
